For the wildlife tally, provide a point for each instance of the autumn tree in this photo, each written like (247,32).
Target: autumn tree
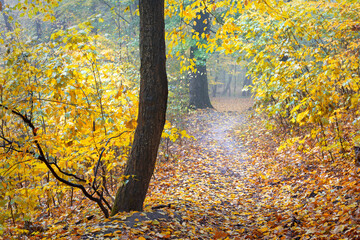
(198,88)
(202,25)
(62,105)
(152,108)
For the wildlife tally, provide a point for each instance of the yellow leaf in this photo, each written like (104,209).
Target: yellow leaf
(301,116)
(263,229)
(131,124)
(120,92)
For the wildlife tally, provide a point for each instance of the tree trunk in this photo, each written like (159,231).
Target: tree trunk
(214,88)
(152,108)
(199,92)
(38,28)
(247,82)
(227,87)
(6,17)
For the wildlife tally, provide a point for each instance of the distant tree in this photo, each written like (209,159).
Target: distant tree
(152,108)
(199,90)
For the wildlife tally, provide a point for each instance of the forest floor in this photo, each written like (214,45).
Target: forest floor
(200,191)
(232,181)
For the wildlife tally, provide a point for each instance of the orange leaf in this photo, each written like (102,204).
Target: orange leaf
(220,234)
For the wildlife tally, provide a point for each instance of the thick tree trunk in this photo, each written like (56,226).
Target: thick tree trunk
(199,92)
(152,108)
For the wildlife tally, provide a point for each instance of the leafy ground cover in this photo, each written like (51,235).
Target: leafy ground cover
(199,187)
(232,182)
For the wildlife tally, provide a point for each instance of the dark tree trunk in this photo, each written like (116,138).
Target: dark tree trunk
(38,29)
(152,108)
(199,92)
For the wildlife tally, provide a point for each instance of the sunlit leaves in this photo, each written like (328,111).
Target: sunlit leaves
(67,89)
(32,9)
(302,55)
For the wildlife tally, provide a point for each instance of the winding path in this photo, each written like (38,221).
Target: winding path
(204,188)
(216,141)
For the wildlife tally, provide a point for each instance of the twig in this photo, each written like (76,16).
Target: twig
(43,159)
(117,14)
(101,154)
(67,174)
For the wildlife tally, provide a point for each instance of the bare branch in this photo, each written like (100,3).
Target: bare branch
(67,174)
(43,159)
(101,154)
(117,14)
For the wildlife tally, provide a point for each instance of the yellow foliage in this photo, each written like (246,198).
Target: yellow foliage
(64,104)
(304,60)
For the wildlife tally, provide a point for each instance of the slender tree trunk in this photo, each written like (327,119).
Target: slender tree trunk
(152,108)
(247,82)
(94,11)
(38,29)
(227,87)
(199,87)
(214,88)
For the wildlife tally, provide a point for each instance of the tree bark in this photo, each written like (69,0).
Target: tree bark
(198,88)
(152,108)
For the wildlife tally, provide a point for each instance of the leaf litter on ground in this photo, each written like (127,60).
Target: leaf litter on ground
(233,182)
(200,186)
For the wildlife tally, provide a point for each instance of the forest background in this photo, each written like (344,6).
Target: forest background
(68,65)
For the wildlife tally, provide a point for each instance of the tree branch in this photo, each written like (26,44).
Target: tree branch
(67,174)
(117,14)
(43,159)
(101,154)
